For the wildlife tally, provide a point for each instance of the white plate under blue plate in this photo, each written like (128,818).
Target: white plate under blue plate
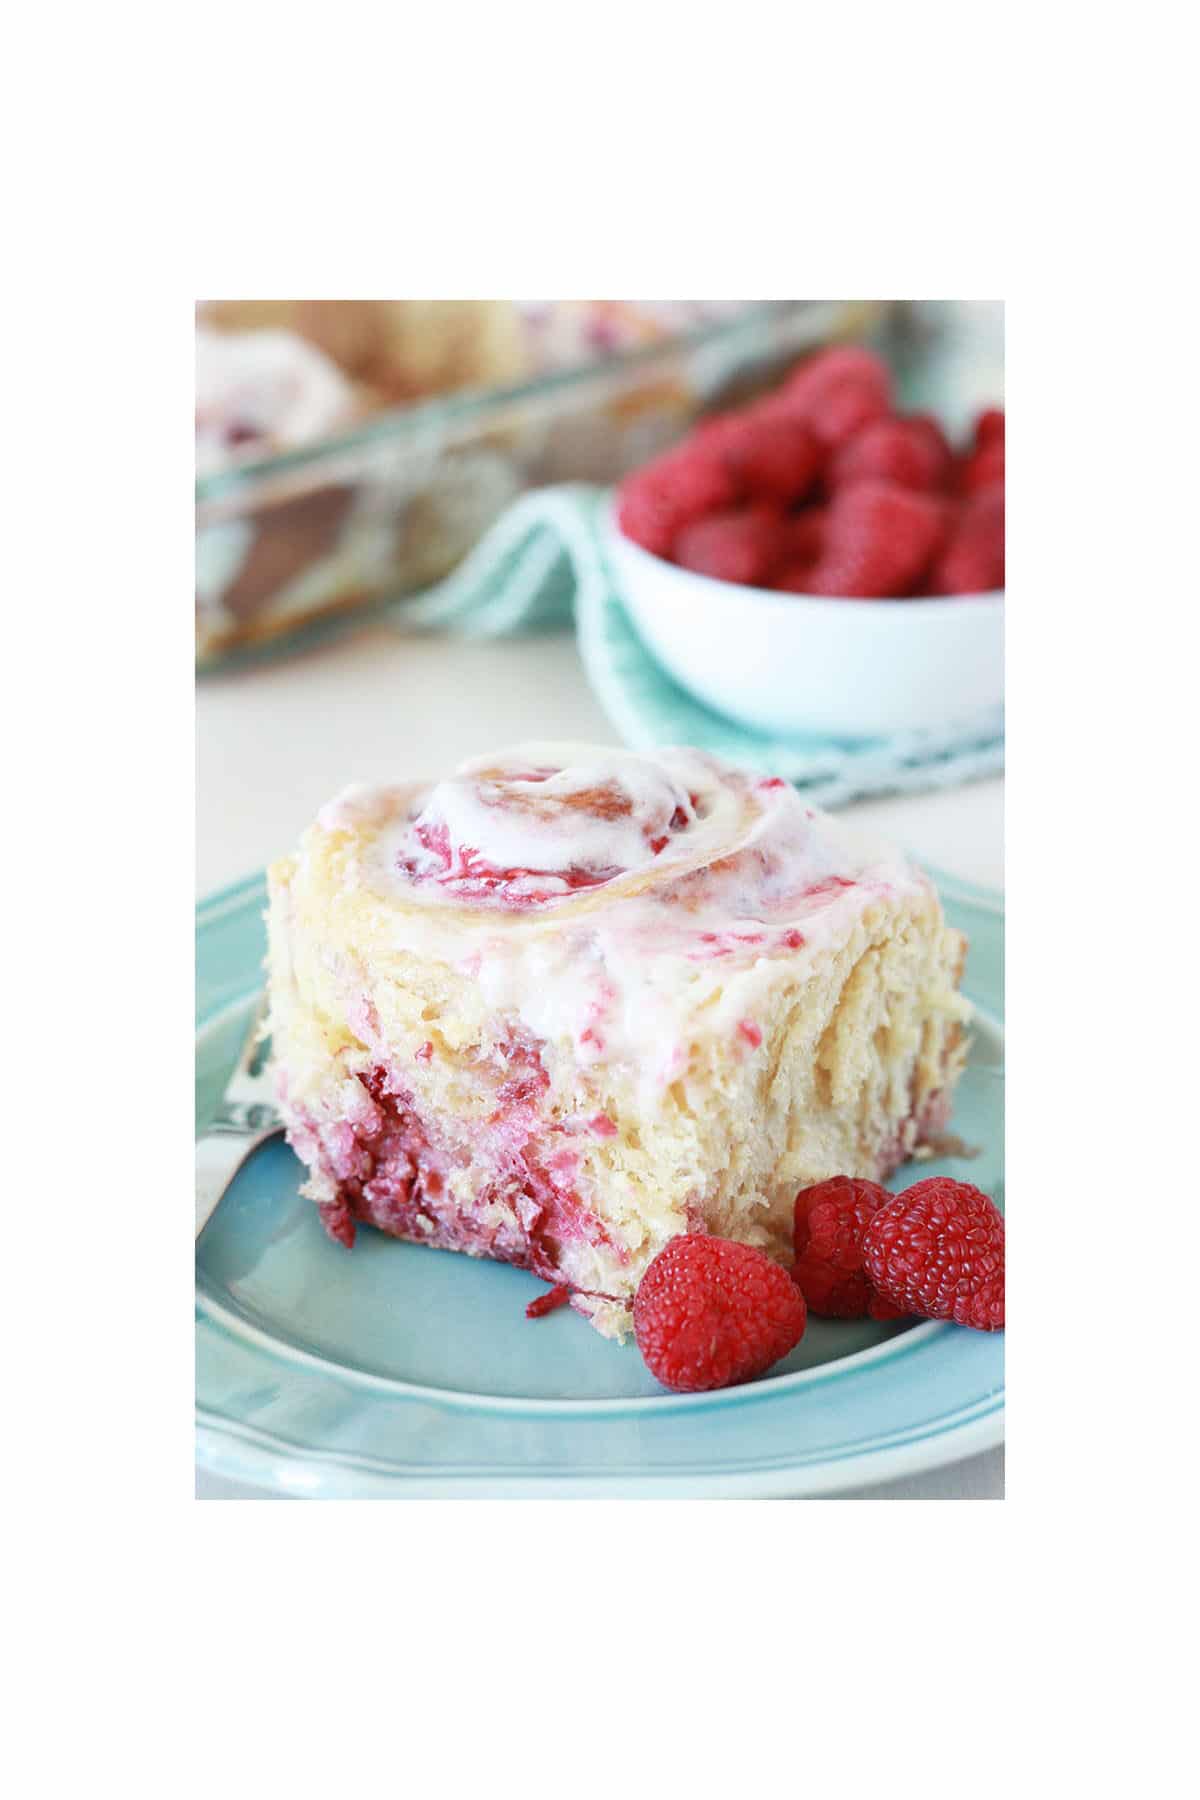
(394,1370)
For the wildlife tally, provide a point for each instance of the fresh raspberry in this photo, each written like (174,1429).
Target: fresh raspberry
(794,578)
(658,500)
(989,427)
(879,541)
(830,1219)
(805,542)
(805,533)
(934,436)
(984,468)
(844,412)
(837,392)
(818,375)
(972,561)
(743,545)
(910,452)
(938,1250)
(710,1313)
(802,538)
(771,455)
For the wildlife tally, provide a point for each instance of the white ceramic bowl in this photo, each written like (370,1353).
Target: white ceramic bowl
(792,663)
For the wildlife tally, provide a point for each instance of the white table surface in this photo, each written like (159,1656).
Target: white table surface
(274,742)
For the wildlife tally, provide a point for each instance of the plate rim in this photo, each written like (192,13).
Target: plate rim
(241,1452)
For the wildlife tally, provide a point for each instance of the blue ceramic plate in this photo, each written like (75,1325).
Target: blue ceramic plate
(403,1371)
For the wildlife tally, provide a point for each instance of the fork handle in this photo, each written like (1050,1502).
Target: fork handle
(220,1153)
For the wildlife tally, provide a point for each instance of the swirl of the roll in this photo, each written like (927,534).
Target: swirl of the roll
(547,823)
(601,896)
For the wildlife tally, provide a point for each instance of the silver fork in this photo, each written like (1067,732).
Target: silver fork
(246,1118)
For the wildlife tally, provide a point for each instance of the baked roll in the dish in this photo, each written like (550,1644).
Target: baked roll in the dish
(574,1000)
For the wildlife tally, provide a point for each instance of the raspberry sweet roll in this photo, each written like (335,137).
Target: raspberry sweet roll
(573,1001)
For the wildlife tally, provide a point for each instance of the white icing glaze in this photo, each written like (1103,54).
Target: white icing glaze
(603,813)
(264,389)
(608,898)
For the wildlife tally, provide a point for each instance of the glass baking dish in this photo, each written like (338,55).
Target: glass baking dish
(313,538)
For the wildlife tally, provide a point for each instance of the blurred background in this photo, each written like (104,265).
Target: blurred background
(350,453)
(400,555)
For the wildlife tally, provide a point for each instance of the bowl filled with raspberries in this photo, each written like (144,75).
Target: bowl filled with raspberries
(817,561)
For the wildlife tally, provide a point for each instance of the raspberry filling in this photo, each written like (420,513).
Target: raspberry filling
(393,1170)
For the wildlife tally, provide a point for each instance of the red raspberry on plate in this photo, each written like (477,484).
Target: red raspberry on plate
(771,455)
(989,427)
(744,545)
(879,541)
(829,1222)
(910,452)
(658,500)
(938,1250)
(837,392)
(710,1313)
(972,561)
